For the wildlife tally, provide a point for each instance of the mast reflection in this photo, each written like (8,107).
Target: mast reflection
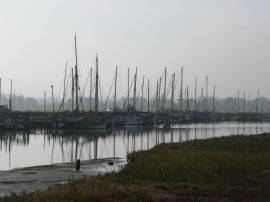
(42,147)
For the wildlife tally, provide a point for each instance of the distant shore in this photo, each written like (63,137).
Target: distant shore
(235,168)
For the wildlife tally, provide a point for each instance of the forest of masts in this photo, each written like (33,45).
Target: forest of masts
(164,97)
(169,95)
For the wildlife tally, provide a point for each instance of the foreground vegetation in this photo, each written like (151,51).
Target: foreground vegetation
(221,169)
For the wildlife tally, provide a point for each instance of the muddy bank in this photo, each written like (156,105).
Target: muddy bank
(41,177)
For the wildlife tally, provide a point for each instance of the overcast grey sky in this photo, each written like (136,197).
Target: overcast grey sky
(228,40)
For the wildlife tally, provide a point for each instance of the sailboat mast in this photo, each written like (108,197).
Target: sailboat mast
(202,99)
(244,108)
(90,95)
(96,90)
(76,77)
(262,106)
(64,91)
(195,107)
(257,102)
(157,97)
(134,94)
(181,91)
(115,83)
(206,95)
(72,90)
(172,96)
(238,107)
(142,95)
(249,102)
(188,99)
(148,89)
(185,99)
(214,94)
(53,99)
(128,93)
(10,102)
(164,93)
(0,90)
(45,101)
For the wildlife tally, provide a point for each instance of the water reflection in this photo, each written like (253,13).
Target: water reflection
(41,147)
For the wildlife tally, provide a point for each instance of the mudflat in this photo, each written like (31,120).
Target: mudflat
(30,179)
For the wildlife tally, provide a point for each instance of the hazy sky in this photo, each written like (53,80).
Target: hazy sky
(228,40)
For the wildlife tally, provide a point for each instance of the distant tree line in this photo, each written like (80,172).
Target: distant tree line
(229,104)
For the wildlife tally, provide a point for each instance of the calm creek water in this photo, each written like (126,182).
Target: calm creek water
(24,149)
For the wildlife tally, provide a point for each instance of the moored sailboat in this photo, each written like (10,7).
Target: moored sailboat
(76,119)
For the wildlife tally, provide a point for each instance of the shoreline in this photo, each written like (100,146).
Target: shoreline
(31,179)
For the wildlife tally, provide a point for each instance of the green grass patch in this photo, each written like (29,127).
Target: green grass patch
(233,168)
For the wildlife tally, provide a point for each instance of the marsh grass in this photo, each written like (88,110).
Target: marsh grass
(233,168)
